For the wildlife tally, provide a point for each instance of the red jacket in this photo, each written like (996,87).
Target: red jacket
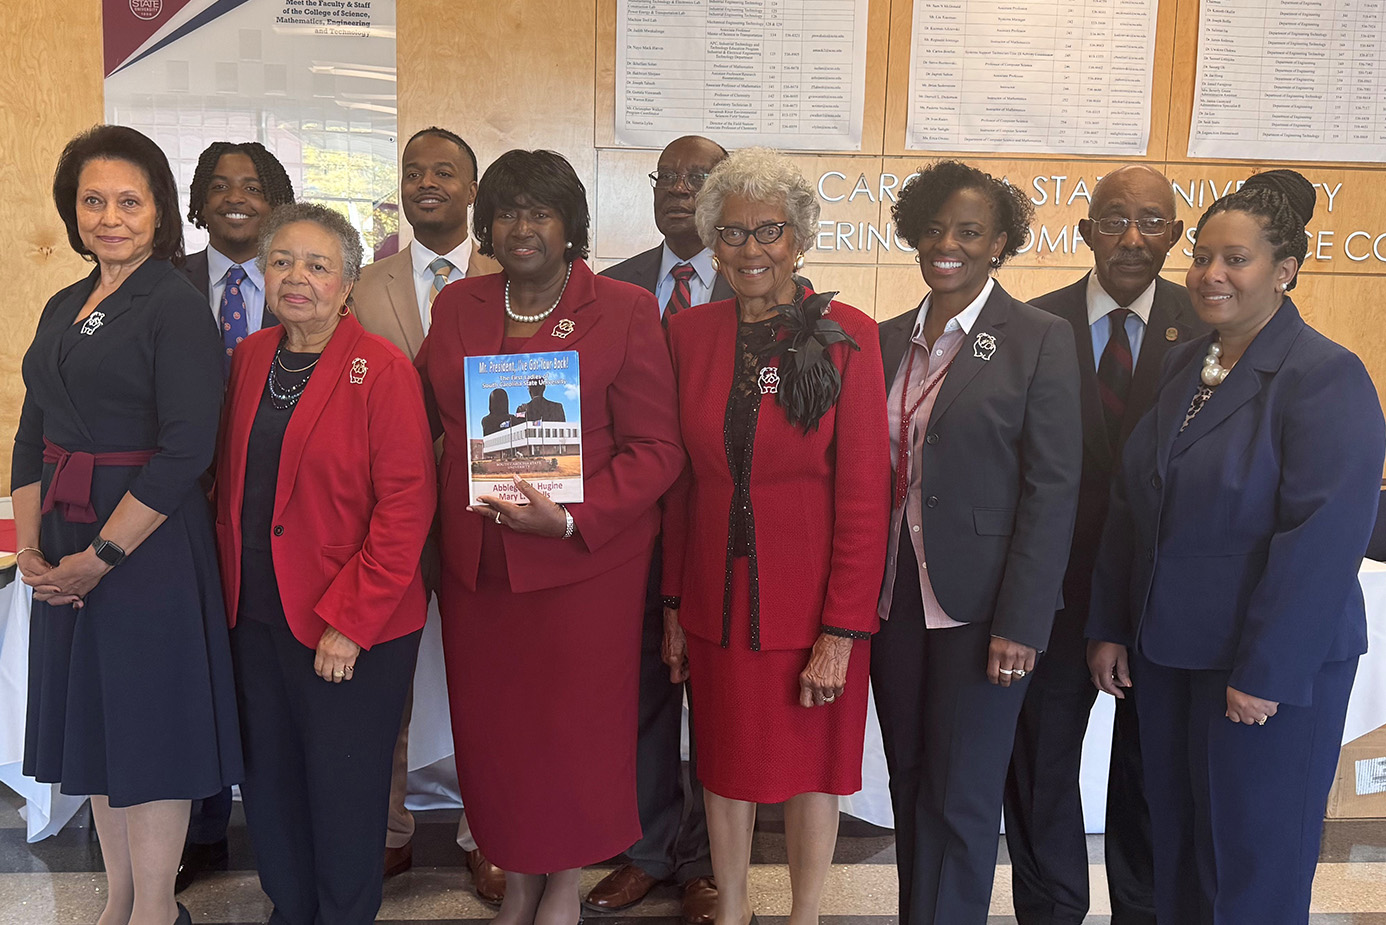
(821,500)
(631,451)
(356,491)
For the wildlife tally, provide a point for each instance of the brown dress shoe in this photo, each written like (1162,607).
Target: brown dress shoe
(487,878)
(398,860)
(700,901)
(622,888)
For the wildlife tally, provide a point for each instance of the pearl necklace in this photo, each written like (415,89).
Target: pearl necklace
(534,319)
(1213,371)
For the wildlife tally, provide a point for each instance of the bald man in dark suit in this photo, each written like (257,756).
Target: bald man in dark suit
(1124,319)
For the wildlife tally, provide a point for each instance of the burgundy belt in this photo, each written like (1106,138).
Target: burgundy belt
(70,490)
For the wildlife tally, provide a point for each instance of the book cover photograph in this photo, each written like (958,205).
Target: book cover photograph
(524,418)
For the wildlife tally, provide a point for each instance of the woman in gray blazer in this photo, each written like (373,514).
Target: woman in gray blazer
(986,444)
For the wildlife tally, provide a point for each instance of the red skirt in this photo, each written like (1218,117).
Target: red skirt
(543,688)
(755,742)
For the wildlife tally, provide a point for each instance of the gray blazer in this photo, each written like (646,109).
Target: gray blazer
(1002,458)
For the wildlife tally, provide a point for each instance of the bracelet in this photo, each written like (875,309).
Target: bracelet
(569,526)
(670,601)
(27,549)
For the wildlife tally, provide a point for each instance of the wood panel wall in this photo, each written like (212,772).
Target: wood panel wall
(528,73)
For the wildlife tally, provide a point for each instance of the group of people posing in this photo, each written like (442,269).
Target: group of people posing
(988,509)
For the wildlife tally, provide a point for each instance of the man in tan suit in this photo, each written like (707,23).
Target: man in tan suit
(394,298)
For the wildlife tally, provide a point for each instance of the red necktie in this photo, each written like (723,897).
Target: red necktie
(1114,375)
(682,296)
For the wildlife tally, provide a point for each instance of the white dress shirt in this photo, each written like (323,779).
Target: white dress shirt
(699,286)
(1100,303)
(252,291)
(421,257)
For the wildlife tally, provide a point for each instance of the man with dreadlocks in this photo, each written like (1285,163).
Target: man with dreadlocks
(235,187)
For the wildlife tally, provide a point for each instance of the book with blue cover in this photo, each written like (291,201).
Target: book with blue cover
(524,418)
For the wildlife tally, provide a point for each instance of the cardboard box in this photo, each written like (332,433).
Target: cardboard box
(1359,789)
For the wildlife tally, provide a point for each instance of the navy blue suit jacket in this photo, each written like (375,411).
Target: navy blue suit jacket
(1235,545)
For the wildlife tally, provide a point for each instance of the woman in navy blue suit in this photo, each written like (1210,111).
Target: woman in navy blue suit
(1228,572)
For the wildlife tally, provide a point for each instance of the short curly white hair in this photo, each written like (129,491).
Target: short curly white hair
(763,175)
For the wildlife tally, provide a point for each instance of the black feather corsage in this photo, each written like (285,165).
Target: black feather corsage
(809,382)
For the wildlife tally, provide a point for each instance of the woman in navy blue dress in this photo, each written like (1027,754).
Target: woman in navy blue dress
(1226,585)
(131,698)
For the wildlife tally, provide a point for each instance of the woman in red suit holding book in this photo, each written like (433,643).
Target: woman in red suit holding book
(541,604)
(773,540)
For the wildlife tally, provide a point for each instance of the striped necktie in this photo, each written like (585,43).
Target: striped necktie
(682,296)
(442,268)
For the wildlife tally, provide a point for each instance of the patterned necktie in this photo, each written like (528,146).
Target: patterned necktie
(1114,376)
(235,327)
(682,296)
(441,268)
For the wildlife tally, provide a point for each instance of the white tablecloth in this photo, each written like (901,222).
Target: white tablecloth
(433,783)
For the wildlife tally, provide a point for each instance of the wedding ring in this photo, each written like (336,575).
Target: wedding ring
(1019,672)
(339,674)
(498,515)
(348,669)
(829,698)
(1007,671)
(1262,721)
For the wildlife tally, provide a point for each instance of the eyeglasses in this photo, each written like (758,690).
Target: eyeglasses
(668,179)
(736,236)
(1116,226)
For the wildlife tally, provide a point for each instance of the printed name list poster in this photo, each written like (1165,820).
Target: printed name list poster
(1297,80)
(1039,76)
(786,73)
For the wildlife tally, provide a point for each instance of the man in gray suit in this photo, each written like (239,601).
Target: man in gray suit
(674,845)
(1124,319)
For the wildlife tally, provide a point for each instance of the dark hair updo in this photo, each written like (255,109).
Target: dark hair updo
(1283,202)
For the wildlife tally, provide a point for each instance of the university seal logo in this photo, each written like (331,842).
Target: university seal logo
(146,9)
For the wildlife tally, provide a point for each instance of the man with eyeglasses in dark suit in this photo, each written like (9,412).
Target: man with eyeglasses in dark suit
(674,845)
(1124,318)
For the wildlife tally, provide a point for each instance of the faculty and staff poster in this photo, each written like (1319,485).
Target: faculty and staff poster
(311,80)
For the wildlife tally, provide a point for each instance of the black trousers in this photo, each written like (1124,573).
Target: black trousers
(209,819)
(947,732)
(1044,810)
(674,844)
(317,773)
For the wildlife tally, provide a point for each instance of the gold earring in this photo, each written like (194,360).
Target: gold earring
(716,264)
(799,261)
(343,311)
(916,259)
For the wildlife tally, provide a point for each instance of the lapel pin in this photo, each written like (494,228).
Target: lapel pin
(769,380)
(984,346)
(93,322)
(564,328)
(1171,334)
(358,371)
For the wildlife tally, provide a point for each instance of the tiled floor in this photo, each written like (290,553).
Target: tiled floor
(58,880)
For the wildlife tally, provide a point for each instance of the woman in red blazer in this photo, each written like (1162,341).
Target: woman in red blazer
(773,549)
(541,605)
(325,495)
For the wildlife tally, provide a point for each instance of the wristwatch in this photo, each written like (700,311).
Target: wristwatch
(107,552)
(568,525)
